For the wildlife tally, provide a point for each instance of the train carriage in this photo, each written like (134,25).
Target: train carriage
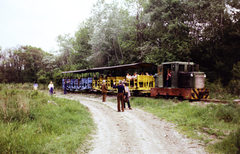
(186,80)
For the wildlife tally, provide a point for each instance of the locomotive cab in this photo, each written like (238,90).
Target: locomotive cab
(186,81)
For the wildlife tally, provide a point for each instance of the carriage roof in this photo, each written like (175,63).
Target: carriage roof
(178,62)
(118,67)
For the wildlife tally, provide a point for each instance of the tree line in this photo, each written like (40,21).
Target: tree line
(129,31)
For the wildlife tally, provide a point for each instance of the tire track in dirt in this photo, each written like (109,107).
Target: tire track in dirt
(132,131)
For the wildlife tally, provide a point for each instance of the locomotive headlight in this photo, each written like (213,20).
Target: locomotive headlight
(205,75)
(191,75)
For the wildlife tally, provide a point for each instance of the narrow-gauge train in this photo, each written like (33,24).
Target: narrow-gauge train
(186,82)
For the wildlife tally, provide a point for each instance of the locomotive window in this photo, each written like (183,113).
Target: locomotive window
(159,69)
(190,68)
(181,68)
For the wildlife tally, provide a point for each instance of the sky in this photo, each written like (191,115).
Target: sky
(39,22)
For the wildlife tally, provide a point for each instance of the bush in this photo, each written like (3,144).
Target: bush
(42,80)
(234,87)
(217,91)
(27,86)
(228,113)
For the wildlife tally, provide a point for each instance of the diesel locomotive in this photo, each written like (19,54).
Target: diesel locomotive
(186,81)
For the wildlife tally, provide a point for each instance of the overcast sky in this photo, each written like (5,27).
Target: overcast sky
(39,22)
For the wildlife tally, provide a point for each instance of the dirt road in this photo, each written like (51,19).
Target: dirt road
(132,131)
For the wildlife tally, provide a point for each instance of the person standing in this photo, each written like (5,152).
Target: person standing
(51,87)
(127,95)
(104,90)
(35,86)
(65,86)
(120,93)
(168,77)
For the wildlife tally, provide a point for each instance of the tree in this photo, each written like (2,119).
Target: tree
(170,29)
(106,24)
(65,44)
(82,47)
(217,44)
(21,64)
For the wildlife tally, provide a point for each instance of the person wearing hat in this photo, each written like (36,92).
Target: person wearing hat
(120,93)
(104,90)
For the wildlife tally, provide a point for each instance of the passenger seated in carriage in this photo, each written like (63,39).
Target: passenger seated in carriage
(132,79)
(128,77)
(134,75)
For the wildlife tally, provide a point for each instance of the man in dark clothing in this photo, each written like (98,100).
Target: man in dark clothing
(120,93)
(104,90)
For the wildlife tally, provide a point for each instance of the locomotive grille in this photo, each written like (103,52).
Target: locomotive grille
(199,93)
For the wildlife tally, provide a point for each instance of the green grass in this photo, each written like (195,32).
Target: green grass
(29,123)
(209,123)
(28,86)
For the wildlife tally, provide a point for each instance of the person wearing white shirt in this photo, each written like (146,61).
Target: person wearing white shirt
(51,87)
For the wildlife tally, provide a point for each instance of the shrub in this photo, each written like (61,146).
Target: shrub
(27,86)
(228,113)
(234,87)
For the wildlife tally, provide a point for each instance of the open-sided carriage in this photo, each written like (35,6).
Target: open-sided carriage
(141,85)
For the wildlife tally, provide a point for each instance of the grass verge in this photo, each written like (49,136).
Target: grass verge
(33,122)
(217,126)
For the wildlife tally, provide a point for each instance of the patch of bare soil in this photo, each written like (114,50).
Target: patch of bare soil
(132,131)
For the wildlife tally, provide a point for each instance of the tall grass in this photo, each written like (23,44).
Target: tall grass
(31,123)
(209,123)
(28,86)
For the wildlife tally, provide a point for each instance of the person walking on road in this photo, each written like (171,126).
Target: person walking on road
(120,93)
(35,86)
(65,86)
(50,87)
(104,90)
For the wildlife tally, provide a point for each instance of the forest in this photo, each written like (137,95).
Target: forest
(206,32)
